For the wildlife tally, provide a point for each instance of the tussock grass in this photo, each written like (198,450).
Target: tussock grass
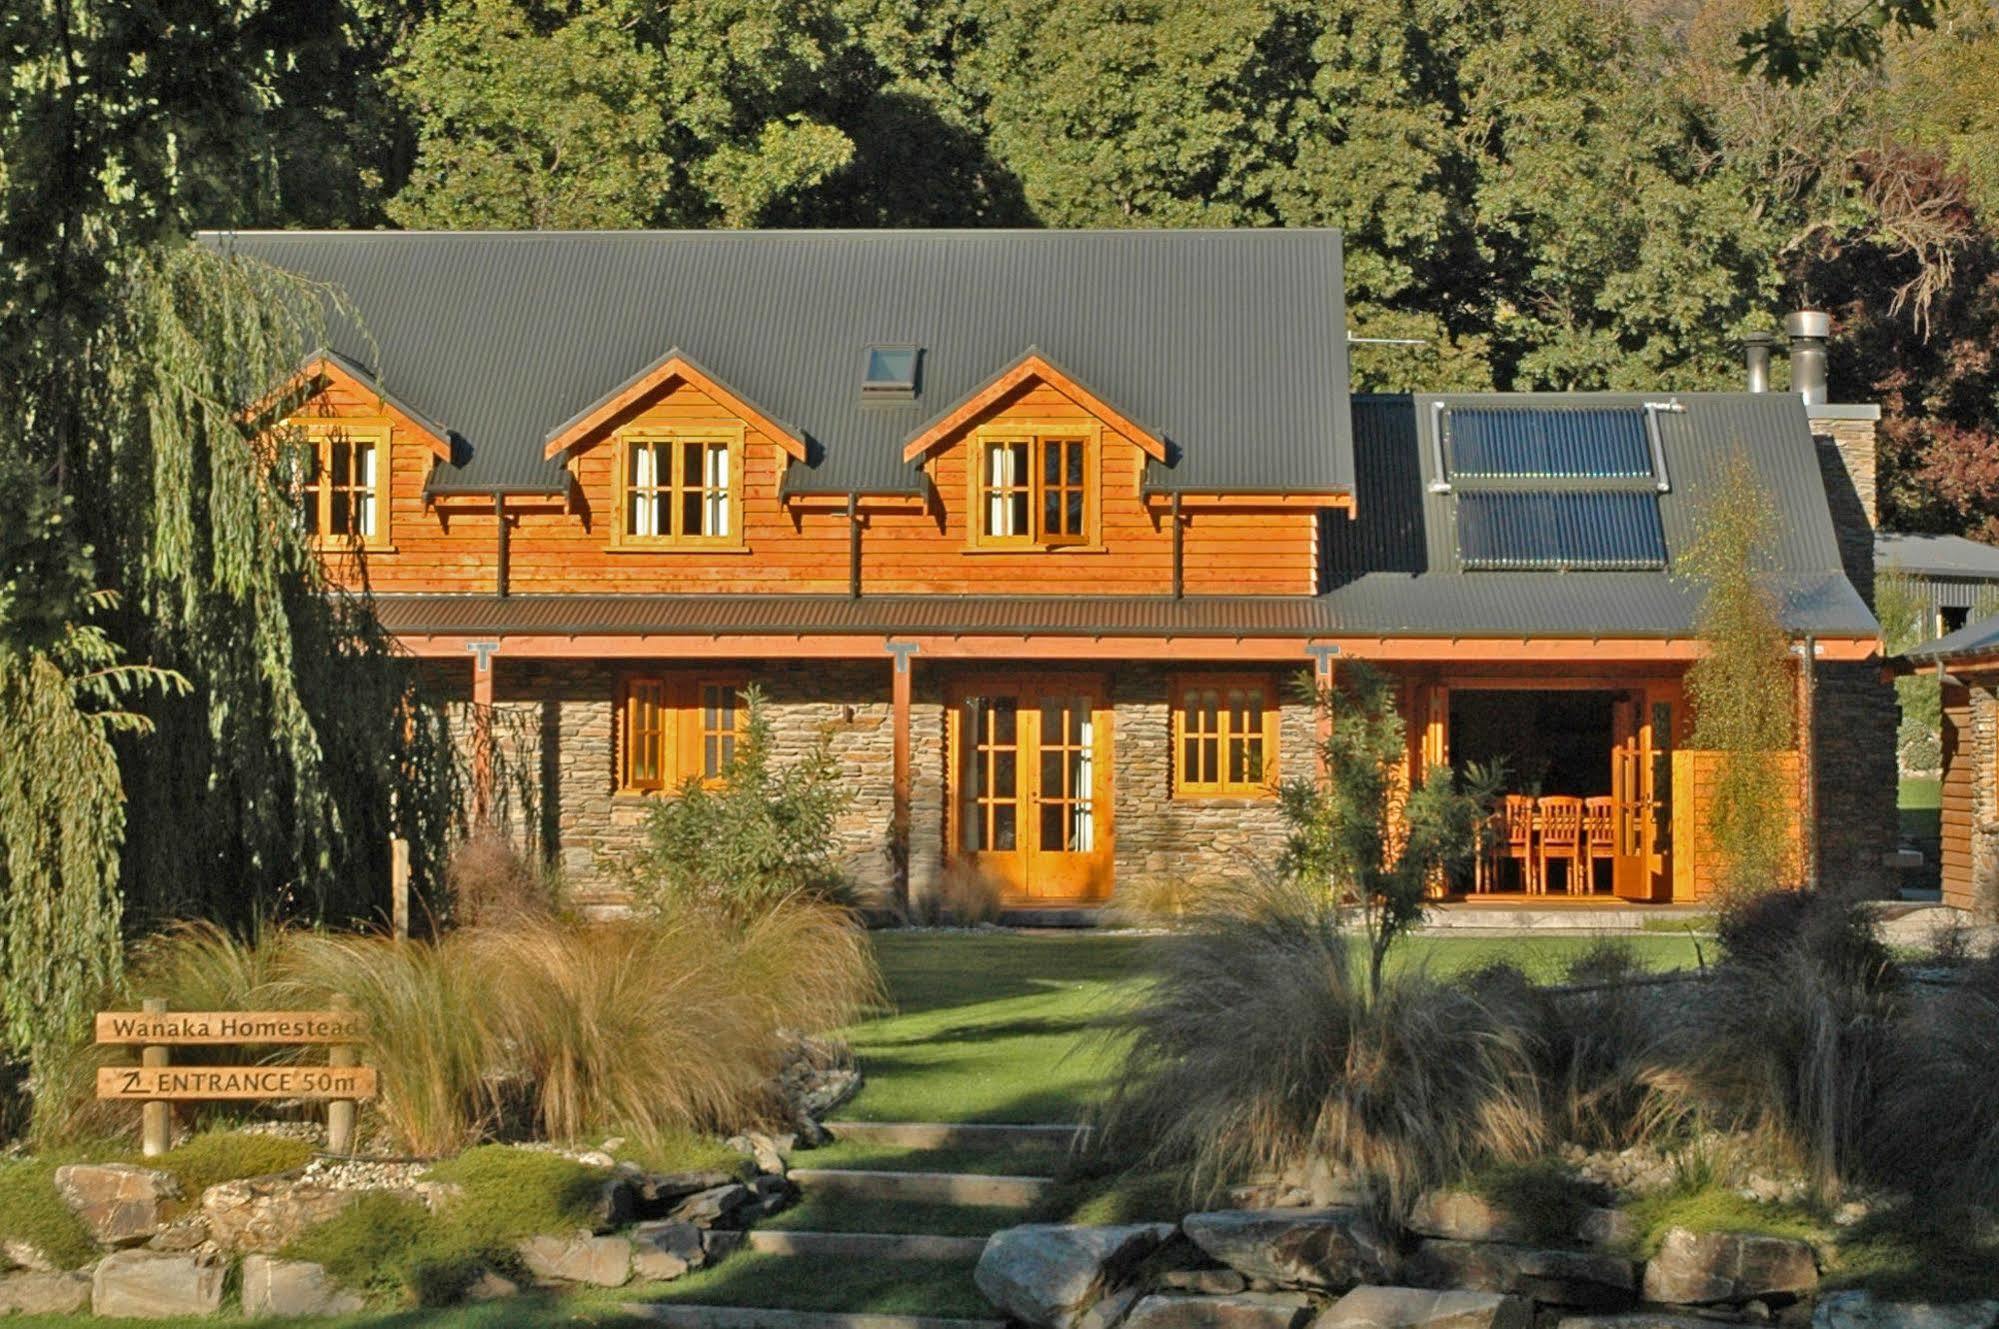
(1254,1044)
(1939,1127)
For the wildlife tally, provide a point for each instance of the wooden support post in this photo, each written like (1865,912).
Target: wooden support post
(482,728)
(399,886)
(156,1120)
(340,1111)
(1808,840)
(1322,682)
(899,815)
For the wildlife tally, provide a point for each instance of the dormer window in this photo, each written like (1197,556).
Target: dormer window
(1034,487)
(889,373)
(338,482)
(680,485)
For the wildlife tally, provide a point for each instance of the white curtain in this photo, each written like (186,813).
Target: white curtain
(999,488)
(364,485)
(1083,833)
(715,487)
(645,481)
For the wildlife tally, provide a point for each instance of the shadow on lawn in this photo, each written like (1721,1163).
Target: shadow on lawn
(938,971)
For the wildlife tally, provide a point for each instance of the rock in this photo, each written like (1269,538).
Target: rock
(27,1255)
(44,1293)
(1465,1216)
(1109,1312)
(1641,1319)
(1334,1248)
(712,1208)
(1050,1275)
(1235,1310)
(716,1244)
(615,1204)
(1212,1282)
(1587,1279)
(662,1251)
(1372,1307)
(120,1203)
(1708,1268)
(660,1191)
(1861,1310)
(188,1233)
(600,1261)
(769,1194)
(263,1215)
(767,1153)
(152,1285)
(596,1158)
(291,1288)
(491,1286)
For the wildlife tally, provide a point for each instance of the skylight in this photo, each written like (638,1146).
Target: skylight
(890,373)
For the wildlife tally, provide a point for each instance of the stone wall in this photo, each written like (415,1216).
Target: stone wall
(1981,752)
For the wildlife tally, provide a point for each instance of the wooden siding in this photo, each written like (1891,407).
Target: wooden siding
(452,546)
(1697,862)
(1960,757)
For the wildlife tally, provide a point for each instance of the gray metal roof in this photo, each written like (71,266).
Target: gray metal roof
(1973,640)
(1396,565)
(1935,556)
(1230,344)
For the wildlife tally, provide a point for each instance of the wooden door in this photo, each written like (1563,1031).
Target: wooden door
(1032,788)
(1642,731)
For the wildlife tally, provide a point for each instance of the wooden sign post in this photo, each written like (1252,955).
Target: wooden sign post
(156,1084)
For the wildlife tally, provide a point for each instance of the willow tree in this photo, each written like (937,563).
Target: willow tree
(1741,686)
(146,535)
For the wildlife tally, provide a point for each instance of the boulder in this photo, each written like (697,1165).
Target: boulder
(660,1191)
(1587,1279)
(153,1285)
(767,1152)
(263,1215)
(599,1261)
(712,1208)
(718,1243)
(491,1286)
(1110,1310)
(1209,1282)
(44,1293)
(662,1251)
(1049,1275)
(187,1233)
(1710,1268)
(1235,1310)
(615,1204)
(1638,1319)
(1332,1248)
(1372,1307)
(27,1255)
(119,1203)
(1861,1310)
(1466,1216)
(292,1288)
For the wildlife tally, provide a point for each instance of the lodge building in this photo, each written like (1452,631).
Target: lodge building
(1039,529)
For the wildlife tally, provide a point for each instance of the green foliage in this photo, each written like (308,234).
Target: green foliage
(32,1211)
(1355,835)
(389,1245)
(1714,1208)
(217,1156)
(1741,687)
(757,836)
(1792,54)
(512,1193)
(1542,1194)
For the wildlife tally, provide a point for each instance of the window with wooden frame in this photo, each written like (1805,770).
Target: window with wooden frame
(677,727)
(339,480)
(680,486)
(1034,486)
(1224,737)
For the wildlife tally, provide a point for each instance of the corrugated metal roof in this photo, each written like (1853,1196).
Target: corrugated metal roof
(1935,555)
(1396,561)
(1231,343)
(1976,639)
(1495,605)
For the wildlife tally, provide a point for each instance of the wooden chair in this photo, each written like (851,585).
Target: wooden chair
(1599,834)
(1514,841)
(1561,839)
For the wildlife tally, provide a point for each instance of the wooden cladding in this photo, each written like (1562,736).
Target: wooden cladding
(590,541)
(675,728)
(1224,736)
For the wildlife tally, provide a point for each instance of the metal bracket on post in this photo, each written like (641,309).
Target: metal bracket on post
(902,650)
(483,653)
(1322,659)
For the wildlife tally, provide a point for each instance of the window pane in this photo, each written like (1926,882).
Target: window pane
(1054,827)
(1005,715)
(364,479)
(1003,827)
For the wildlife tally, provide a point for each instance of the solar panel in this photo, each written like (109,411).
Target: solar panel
(1592,442)
(1594,530)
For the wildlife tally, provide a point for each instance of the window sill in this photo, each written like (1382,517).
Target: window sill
(1232,798)
(674,547)
(351,547)
(1036,549)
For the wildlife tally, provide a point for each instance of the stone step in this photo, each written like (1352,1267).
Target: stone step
(678,1315)
(953,1134)
(931,1187)
(867,1245)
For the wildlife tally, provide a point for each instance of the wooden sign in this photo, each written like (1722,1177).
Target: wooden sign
(210,1028)
(141,1084)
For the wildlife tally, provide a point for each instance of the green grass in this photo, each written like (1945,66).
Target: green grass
(1715,1208)
(811,1283)
(1921,1253)
(213,1157)
(1919,809)
(1019,1160)
(31,1211)
(853,1214)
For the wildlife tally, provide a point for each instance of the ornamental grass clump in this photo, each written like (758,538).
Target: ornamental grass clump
(1255,1043)
(1948,1055)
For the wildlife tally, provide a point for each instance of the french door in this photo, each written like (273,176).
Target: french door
(1643,732)
(1031,786)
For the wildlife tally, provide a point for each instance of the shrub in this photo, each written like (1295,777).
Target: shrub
(1796,1028)
(962,897)
(218,1156)
(1939,1130)
(490,883)
(1606,1044)
(1255,1043)
(758,835)
(512,1193)
(32,1211)
(390,1245)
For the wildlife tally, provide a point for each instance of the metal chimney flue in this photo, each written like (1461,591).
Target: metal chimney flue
(1756,359)
(1808,330)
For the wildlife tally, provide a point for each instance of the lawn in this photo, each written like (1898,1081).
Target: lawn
(1919,807)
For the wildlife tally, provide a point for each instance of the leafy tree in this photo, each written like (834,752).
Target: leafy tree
(1741,686)
(1360,832)
(758,835)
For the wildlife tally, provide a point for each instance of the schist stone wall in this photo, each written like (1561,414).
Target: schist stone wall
(555,738)
(1854,709)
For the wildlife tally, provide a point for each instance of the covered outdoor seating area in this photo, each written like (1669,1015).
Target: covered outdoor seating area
(1530,838)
